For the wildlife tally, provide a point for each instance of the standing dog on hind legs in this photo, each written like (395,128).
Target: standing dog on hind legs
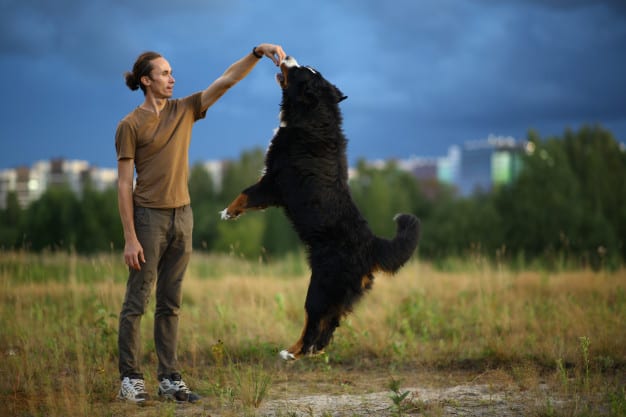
(306,173)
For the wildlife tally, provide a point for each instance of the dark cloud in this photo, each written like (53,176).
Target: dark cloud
(438,71)
(618,6)
(512,63)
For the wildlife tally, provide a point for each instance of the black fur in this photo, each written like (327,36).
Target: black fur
(307,174)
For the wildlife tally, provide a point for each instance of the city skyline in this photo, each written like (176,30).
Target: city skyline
(473,166)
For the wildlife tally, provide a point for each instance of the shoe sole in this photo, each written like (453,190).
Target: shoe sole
(134,402)
(172,398)
(138,401)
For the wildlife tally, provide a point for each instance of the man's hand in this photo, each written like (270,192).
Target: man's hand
(273,52)
(133,254)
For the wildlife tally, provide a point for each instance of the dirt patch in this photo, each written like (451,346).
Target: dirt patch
(465,400)
(350,394)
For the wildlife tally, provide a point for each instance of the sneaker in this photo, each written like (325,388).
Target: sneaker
(175,389)
(133,389)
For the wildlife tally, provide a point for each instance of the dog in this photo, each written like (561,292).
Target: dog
(306,173)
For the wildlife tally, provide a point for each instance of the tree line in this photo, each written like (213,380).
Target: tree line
(567,205)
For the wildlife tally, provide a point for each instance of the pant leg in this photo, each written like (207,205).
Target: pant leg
(151,227)
(169,290)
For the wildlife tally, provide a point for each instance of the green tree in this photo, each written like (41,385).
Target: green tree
(10,222)
(373,195)
(279,237)
(462,226)
(243,236)
(205,207)
(98,225)
(599,164)
(380,194)
(569,199)
(52,221)
(542,209)
(239,175)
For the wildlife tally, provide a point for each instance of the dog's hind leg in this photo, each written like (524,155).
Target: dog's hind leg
(317,322)
(296,350)
(331,309)
(309,343)
(327,327)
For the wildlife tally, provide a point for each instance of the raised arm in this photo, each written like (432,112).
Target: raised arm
(237,71)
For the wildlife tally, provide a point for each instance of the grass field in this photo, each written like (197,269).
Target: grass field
(560,331)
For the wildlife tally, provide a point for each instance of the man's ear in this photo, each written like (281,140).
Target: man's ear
(145,80)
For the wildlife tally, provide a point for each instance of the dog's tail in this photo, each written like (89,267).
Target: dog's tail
(391,255)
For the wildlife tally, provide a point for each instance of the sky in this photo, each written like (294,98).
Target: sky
(420,75)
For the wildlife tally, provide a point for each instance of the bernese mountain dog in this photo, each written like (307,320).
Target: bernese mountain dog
(306,173)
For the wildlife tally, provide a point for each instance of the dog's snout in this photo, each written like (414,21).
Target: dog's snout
(290,61)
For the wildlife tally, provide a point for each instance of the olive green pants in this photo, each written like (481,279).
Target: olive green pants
(165,235)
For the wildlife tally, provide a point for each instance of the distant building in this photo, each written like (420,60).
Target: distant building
(487,163)
(443,169)
(477,166)
(30,183)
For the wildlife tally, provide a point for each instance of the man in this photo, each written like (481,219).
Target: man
(153,140)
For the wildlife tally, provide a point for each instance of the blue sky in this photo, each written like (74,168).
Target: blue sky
(420,75)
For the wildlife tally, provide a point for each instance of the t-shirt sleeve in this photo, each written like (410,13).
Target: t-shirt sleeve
(125,141)
(195,101)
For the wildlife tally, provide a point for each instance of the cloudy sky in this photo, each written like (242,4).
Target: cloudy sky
(421,75)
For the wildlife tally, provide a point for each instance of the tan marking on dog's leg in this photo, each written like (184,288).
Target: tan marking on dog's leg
(295,351)
(236,208)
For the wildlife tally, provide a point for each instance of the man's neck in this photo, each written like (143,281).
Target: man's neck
(153,104)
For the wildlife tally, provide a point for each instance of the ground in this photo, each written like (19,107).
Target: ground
(356,393)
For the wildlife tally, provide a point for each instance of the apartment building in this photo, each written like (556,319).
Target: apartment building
(29,183)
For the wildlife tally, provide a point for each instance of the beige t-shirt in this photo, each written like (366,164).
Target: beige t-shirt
(159,146)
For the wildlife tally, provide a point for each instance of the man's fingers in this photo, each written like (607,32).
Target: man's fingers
(133,261)
(275,53)
(279,55)
(136,263)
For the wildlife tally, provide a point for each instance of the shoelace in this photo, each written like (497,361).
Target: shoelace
(138,385)
(182,386)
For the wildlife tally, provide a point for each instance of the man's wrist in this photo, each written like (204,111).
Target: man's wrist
(256,54)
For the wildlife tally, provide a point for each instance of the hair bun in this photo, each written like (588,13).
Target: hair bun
(131,81)
(141,68)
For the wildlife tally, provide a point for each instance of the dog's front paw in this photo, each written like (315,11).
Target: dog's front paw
(286,356)
(225,215)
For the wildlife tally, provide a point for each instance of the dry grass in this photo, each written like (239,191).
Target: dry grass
(58,331)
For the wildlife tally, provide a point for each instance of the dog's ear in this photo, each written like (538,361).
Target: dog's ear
(339,96)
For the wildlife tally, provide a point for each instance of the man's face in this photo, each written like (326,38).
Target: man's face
(160,83)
